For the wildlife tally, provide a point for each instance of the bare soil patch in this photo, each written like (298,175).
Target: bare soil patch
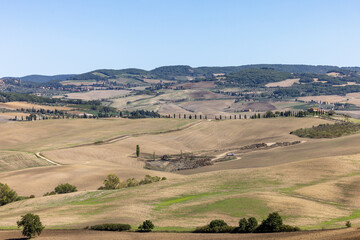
(285,83)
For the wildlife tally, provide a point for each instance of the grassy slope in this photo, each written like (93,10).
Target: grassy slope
(194,200)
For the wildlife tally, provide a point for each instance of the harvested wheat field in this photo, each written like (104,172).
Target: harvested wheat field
(26,105)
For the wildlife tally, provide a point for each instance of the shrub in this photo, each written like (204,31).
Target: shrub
(215,226)
(149,179)
(112,182)
(132,182)
(7,195)
(49,193)
(65,188)
(146,226)
(111,227)
(348,224)
(288,228)
(31,225)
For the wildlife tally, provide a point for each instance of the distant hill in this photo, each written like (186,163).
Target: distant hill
(171,72)
(43,78)
(183,71)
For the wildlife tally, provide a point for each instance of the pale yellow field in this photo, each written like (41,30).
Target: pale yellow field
(26,105)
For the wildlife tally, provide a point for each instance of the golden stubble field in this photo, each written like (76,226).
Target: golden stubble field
(314,184)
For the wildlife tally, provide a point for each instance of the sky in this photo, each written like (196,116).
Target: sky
(76,36)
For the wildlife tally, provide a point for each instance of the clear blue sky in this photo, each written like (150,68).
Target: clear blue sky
(74,36)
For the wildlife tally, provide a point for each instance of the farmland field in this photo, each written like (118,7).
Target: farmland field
(294,180)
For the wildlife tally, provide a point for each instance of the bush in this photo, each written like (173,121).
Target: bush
(288,228)
(49,193)
(348,224)
(112,182)
(31,225)
(111,227)
(65,188)
(146,226)
(7,195)
(215,226)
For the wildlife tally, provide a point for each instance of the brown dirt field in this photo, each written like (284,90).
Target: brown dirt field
(338,234)
(51,134)
(97,95)
(309,150)
(285,83)
(18,105)
(44,179)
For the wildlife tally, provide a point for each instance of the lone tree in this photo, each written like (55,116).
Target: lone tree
(137,150)
(7,195)
(146,226)
(31,225)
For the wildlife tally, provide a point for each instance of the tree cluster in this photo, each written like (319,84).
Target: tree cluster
(113,182)
(273,223)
